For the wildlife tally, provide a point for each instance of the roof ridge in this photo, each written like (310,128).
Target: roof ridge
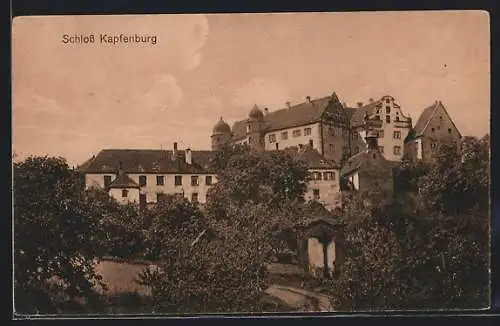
(431,116)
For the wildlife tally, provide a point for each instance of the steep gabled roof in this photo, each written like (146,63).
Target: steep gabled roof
(123,181)
(358,116)
(148,161)
(353,163)
(426,117)
(311,157)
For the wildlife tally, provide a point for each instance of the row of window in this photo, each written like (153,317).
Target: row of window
(396,150)
(323,176)
(160,180)
(295,133)
(387,118)
(159,197)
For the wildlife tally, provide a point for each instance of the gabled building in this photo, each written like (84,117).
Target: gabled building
(325,124)
(369,170)
(144,176)
(433,128)
(324,186)
(385,118)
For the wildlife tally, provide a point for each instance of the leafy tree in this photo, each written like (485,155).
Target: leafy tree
(57,233)
(218,268)
(273,178)
(458,179)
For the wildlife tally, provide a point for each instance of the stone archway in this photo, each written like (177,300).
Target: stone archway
(321,256)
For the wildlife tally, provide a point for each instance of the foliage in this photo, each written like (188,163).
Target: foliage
(401,257)
(224,272)
(57,232)
(273,178)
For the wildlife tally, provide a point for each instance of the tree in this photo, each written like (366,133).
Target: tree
(458,178)
(57,233)
(273,178)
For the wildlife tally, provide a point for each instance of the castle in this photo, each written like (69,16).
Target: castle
(358,146)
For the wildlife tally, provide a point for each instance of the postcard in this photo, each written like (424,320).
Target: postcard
(251,163)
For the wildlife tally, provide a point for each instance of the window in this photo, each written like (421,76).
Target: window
(388,109)
(160,196)
(449,130)
(345,150)
(208,180)
(316,175)
(311,143)
(388,119)
(397,118)
(160,180)
(331,148)
(124,193)
(377,117)
(397,150)
(356,150)
(142,180)
(272,138)
(316,194)
(433,129)
(433,145)
(397,135)
(284,135)
(355,135)
(248,129)
(381,149)
(307,131)
(178,180)
(387,100)
(380,134)
(297,133)
(194,180)
(194,197)
(277,146)
(329,176)
(249,140)
(107,181)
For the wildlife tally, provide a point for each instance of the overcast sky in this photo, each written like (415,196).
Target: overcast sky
(74,100)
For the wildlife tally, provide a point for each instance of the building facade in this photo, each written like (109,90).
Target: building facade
(144,176)
(330,127)
(433,128)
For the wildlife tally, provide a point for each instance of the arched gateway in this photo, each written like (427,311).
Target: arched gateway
(321,244)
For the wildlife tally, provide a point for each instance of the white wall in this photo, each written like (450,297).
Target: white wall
(152,189)
(329,190)
(132,196)
(295,141)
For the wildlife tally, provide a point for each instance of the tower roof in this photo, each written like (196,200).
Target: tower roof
(256,113)
(221,127)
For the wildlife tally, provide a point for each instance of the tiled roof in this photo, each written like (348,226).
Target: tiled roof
(312,157)
(424,119)
(313,212)
(358,116)
(298,115)
(353,163)
(123,181)
(148,161)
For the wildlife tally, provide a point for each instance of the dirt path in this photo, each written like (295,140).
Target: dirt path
(301,299)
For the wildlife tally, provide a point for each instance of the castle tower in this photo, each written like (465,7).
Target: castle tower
(221,134)
(255,128)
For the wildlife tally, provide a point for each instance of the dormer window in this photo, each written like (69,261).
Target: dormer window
(307,131)
(124,193)
(272,138)
(449,130)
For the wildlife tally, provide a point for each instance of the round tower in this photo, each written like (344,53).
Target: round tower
(221,134)
(255,128)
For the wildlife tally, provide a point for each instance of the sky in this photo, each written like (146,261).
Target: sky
(73,100)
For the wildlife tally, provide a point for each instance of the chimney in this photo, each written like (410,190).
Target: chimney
(288,104)
(189,158)
(360,104)
(344,104)
(266,110)
(174,152)
(372,140)
(370,100)
(308,98)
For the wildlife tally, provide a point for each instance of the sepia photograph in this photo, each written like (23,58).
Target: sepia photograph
(198,164)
